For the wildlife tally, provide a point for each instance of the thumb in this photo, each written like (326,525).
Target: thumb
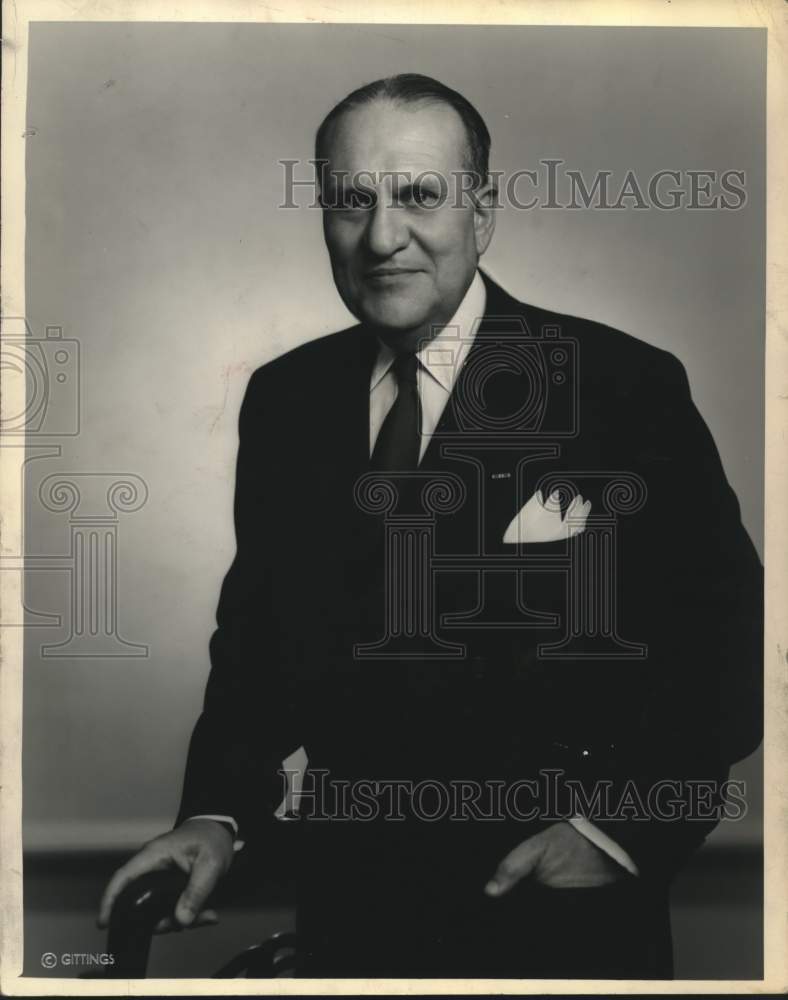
(517,865)
(202,881)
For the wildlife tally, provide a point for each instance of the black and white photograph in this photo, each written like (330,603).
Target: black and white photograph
(385,512)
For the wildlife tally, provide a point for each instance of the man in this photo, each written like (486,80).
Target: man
(487,553)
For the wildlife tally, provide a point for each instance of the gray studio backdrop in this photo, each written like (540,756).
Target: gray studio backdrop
(155,243)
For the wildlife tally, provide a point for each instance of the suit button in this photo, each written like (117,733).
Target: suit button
(477,667)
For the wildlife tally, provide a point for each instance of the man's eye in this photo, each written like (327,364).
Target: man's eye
(423,195)
(357,199)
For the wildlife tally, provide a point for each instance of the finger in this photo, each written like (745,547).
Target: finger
(202,881)
(596,880)
(140,864)
(517,865)
(169,925)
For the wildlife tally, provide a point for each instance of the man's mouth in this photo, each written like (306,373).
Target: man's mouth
(383,273)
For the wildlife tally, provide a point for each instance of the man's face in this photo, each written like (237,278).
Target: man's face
(403,254)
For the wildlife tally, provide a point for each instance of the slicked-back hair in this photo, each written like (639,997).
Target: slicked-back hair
(414,88)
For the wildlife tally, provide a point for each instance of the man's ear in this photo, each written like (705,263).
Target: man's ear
(485,201)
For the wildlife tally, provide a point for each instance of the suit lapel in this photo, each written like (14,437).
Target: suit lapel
(351,399)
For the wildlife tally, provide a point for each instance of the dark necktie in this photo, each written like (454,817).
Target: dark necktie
(399,440)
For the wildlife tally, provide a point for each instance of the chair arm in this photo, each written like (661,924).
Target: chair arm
(149,898)
(137,910)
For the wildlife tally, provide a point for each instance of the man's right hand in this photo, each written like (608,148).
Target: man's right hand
(202,848)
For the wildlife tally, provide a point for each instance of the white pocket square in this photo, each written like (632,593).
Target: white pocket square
(541,521)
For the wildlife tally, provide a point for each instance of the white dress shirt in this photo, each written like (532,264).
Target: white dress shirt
(440,363)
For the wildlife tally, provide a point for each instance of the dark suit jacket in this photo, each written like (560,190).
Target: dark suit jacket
(670,691)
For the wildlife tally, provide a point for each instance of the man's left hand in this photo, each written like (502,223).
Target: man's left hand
(558,857)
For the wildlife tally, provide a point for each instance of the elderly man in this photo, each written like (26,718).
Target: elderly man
(491,576)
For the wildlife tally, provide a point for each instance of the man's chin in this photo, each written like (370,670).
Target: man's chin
(396,322)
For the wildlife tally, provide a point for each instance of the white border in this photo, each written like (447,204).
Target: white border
(769,14)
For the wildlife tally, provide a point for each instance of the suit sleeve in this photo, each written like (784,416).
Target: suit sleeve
(700,580)
(246,726)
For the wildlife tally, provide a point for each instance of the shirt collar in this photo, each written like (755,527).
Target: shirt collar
(443,356)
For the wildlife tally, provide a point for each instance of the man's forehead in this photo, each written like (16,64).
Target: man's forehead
(388,136)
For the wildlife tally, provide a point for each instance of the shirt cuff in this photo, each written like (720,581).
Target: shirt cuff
(604,843)
(237,844)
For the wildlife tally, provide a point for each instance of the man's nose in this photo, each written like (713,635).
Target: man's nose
(387,231)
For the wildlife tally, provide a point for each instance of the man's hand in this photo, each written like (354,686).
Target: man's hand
(202,848)
(558,857)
